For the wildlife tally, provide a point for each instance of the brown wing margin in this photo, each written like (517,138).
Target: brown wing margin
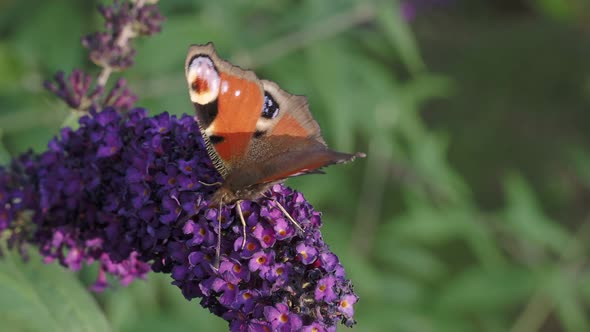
(294,118)
(222,65)
(301,163)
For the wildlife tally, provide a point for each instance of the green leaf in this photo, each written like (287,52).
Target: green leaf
(565,292)
(55,45)
(4,155)
(400,36)
(584,286)
(426,224)
(478,290)
(527,222)
(40,297)
(557,9)
(417,261)
(335,76)
(72,120)
(580,160)
(11,67)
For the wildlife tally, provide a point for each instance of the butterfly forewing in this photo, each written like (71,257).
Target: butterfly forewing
(228,102)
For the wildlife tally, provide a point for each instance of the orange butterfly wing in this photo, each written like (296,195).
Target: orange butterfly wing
(227,100)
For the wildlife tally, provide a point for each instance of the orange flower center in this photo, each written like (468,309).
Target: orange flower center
(250,246)
(261,260)
(284,318)
(237,268)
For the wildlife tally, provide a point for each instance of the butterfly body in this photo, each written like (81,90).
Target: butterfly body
(256,134)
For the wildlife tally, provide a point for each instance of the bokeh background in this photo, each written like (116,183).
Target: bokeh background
(470,212)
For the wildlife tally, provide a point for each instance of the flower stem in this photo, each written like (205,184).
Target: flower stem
(122,41)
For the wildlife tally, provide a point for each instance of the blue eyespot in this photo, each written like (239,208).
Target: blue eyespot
(270,108)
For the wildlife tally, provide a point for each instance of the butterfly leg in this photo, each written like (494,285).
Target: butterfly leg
(218,248)
(211,184)
(239,208)
(295,223)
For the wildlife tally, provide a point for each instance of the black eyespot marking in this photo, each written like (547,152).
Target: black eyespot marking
(259,134)
(271,108)
(216,139)
(207,113)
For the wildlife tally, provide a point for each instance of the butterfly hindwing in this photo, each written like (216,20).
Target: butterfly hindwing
(290,156)
(285,114)
(287,142)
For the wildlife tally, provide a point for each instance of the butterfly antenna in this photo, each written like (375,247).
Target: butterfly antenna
(239,208)
(295,223)
(218,248)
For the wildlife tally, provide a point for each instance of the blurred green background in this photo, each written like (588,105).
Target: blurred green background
(470,212)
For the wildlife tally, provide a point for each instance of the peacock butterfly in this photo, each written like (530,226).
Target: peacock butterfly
(256,134)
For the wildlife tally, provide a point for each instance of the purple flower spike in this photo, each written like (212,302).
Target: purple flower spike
(74,90)
(120,96)
(115,192)
(112,50)
(123,20)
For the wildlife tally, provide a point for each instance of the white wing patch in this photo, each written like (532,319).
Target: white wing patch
(203,80)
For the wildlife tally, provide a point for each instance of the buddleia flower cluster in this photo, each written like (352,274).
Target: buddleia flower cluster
(112,50)
(130,193)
